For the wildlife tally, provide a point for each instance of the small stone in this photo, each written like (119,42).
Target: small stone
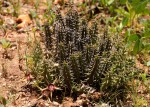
(83,96)
(9,21)
(6,4)
(55,103)
(104,105)
(60,2)
(67,104)
(79,102)
(13,47)
(56,64)
(46,104)
(4,84)
(96,96)
(79,1)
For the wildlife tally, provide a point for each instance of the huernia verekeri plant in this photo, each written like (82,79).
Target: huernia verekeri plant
(85,56)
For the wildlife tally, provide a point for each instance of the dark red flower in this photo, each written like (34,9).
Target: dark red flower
(51,87)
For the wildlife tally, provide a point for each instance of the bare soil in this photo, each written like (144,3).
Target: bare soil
(12,68)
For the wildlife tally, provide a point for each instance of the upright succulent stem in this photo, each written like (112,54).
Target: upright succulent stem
(94,70)
(75,68)
(62,53)
(48,38)
(67,76)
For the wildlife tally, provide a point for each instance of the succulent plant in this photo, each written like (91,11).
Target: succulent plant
(85,56)
(79,47)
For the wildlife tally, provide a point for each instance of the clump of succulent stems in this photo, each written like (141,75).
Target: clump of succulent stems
(79,51)
(83,56)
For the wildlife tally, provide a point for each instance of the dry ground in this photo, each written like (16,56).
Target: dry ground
(12,84)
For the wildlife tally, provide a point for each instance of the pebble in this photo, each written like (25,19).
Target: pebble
(9,21)
(55,103)
(83,96)
(6,4)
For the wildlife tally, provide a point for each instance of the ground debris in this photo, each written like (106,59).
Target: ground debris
(23,21)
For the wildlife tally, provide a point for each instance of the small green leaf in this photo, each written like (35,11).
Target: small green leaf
(5,44)
(3,100)
(128,33)
(143,76)
(110,2)
(133,37)
(147,47)
(148,63)
(141,45)
(128,44)
(120,26)
(121,11)
(140,7)
(136,47)
(123,1)
(147,34)
(125,21)
(33,14)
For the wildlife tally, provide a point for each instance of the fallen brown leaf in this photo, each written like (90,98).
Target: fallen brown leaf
(23,21)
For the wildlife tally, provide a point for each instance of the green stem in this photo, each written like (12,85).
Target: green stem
(94,69)
(67,76)
(75,68)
